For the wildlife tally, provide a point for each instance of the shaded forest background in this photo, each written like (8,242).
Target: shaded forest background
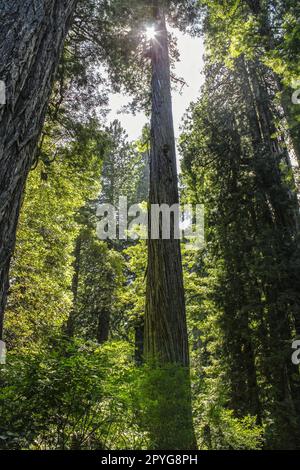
(74,322)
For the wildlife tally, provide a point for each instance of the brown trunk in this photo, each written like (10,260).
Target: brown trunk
(267,35)
(166,341)
(165,319)
(139,342)
(103,326)
(75,282)
(284,218)
(31,40)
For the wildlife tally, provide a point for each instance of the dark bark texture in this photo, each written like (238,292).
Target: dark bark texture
(103,326)
(170,422)
(165,318)
(75,282)
(139,342)
(32,34)
(284,219)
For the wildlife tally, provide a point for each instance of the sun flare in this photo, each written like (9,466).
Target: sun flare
(150,33)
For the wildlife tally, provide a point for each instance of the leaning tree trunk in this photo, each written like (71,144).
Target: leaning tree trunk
(166,341)
(31,39)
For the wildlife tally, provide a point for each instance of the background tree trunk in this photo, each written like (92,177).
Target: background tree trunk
(31,40)
(260,10)
(139,342)
(103,326)
(70,326)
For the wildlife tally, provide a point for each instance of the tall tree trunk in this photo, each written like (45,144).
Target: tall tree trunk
(139,342)
(282,198)
(70,326)
(103,325)
(165,320)
(166,341)
(283,218)
(31,39)
(260,10)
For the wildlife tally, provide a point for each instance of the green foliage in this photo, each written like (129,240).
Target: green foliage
(70,395)
(266,32)
(163,390)
(133,297)
(41,274)
(226,432)
(232,298)
(100,277)
(125,168)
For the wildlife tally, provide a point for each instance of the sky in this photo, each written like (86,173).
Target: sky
(189,68)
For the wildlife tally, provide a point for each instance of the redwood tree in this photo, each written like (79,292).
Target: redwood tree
(166,340)
(166,334)
(31,41)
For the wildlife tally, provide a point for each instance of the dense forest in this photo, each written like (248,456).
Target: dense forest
(144,342)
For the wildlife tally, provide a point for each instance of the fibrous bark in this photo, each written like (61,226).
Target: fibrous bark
(166,341)
(32,34)
(165,319)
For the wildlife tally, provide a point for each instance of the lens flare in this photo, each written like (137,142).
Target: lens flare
(150,33)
